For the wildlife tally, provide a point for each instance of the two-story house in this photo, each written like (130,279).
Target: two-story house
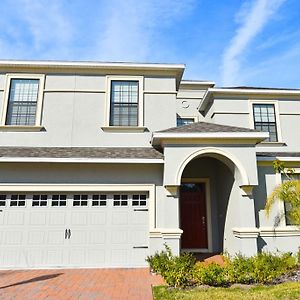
(103,163)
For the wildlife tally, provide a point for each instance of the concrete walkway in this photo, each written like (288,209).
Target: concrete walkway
(87,284)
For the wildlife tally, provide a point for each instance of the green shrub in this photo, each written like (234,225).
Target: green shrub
(267,266)
(240,269)
(160,261)
(182,271)
(176,270)
(211,274)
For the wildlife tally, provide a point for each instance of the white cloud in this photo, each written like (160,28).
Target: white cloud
(132,27)
(34,30)
(47,24)
(252,19)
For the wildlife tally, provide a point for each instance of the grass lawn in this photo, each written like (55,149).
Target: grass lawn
(280,291)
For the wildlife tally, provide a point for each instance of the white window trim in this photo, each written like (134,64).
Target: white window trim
(277,116)
(140,80)
(9,77)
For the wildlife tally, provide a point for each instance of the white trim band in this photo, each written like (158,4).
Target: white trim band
(259,136)
(83,160)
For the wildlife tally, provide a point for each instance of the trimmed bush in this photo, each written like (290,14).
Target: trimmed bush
(211,274)
(240,269)
(267,266)
(176,270)
(182,271)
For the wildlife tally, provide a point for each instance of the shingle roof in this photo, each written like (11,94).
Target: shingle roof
(279,154)
(81,152)
(207,127)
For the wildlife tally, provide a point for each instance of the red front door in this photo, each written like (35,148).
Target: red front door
(193,216)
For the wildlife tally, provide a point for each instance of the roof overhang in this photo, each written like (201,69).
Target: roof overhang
(87,66)
(81,160)
(197,84)
(280,158)
(162,138)
(213,92)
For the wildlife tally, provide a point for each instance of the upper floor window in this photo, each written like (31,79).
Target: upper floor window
(22,103)
(124,103)
(265,120)
(184,121)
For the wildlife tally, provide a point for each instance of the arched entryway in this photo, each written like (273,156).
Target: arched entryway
(208,196)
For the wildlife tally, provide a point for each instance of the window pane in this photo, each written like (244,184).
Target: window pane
(22,102)
(184,121)
(124,103)
(265,120)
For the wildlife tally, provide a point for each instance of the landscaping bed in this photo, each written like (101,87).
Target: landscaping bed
(262,273)
(287,291)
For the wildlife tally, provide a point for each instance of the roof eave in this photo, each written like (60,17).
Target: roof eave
(175,69)
(258,137)
(211,92)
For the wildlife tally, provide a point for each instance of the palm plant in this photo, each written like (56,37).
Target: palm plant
(288,192)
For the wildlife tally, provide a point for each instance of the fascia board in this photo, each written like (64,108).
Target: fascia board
(81,160)
(280,158)
(269,92)
(160,136)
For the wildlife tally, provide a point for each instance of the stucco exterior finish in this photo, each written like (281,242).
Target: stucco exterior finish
(75,113)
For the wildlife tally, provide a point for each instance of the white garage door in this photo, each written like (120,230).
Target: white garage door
(73,230)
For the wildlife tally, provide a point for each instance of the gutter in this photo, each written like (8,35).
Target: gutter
(82,160)
(158,136)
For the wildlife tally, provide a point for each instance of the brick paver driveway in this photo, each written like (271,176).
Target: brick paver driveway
(88,284)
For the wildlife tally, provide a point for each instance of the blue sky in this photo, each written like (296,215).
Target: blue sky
(233,42)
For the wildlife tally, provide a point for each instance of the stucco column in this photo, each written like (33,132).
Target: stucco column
(171,232)
(246,234)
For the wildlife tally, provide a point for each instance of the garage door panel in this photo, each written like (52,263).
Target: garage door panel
(57,217)
(55,257)
(35,257)
(139,217)
(77,257)
(14,237)
(119,237)
(15,218)
(97,237)
(56,237)
(1,218)
(139,238)
(119,257)
(96,257)
(138,256)
(36,238)
(97,218)
(78,218)
(78,237)
(38,218)
(14,256)
(105,229)
(120,218)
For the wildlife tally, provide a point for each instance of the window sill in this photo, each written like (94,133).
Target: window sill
(271,144)
(137,129)
(21,128)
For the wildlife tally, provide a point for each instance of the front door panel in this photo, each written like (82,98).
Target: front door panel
(193,216)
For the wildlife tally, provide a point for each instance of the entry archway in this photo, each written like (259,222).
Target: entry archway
(209,192)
